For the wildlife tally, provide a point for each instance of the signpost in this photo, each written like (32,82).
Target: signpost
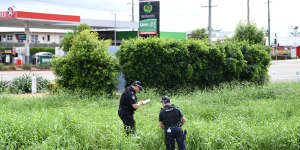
(149,18)
(33,85)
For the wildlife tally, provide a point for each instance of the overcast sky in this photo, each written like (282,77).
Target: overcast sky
(176,15)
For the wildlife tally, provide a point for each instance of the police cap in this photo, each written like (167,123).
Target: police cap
(165,99)
(138,84)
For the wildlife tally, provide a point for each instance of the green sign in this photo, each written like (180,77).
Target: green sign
(148,26)
(45,59)
(148,8)
(149,16)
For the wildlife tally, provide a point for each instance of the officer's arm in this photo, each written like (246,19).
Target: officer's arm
(183,120)
(161,125)
(136,106)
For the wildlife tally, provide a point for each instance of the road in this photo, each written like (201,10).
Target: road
(10,75)
(279,71)
(285,70)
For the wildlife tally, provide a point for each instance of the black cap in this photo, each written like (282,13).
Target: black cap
(138,84)
(165,99)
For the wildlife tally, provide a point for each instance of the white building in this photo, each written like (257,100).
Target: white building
(16,36)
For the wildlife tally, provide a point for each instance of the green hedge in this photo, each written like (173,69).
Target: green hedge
(173,64)
(34,50)
(2,49)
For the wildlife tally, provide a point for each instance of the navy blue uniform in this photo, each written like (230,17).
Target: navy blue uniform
(171,117)
(126,110)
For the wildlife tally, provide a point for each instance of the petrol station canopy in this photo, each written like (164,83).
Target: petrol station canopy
(21,19)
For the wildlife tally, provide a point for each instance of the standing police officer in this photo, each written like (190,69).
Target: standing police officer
(128,105)
(171,119)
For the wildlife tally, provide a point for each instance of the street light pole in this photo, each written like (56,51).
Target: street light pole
(132,10)
(248,12)
(269,29)
(115,32)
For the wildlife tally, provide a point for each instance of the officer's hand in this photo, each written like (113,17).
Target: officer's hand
(141,103)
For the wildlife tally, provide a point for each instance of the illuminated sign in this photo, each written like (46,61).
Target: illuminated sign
(7,14)
(10,11)
(149,18)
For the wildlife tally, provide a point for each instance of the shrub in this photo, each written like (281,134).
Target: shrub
(171,64)
(2,49)
(34,50)
(3,67)
(3,86)
(87,66)
(43,66)
(7,67)
(52,87)
(250,33)
(11,67)
(26,66)
(23,84)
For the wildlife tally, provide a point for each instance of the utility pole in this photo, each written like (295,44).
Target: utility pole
(132,12)
(132,9)
(248,12)
(269,29)
(209,19)
(115,32)
(275,45)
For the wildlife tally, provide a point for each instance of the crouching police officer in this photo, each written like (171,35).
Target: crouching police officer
(128,105)
(171,119)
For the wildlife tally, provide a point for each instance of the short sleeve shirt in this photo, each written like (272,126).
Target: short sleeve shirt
(170,116)
(128,98)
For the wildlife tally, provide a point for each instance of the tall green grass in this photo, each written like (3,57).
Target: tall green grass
(239,116)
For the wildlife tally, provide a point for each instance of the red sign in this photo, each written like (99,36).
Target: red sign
(4,14)
(10,11)
(7,14)
(148,32)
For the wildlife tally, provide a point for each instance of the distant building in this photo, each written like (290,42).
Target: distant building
(16,38)
(219,35)
(286,45)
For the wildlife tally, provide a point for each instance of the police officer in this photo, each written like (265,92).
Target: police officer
(171,119)
(128,105)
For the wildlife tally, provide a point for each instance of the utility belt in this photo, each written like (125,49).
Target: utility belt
(172,126)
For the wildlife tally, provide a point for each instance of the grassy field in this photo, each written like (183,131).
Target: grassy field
(238,117)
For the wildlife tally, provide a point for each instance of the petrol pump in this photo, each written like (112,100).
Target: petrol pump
(7,56)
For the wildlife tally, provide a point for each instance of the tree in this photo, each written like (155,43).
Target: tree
(249,32)
(87,66)
(67,41)
(199,34)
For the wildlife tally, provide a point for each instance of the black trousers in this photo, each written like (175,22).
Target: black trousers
(176,133)
(128,121)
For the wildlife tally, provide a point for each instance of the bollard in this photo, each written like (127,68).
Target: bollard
(33,85)
(273,74)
